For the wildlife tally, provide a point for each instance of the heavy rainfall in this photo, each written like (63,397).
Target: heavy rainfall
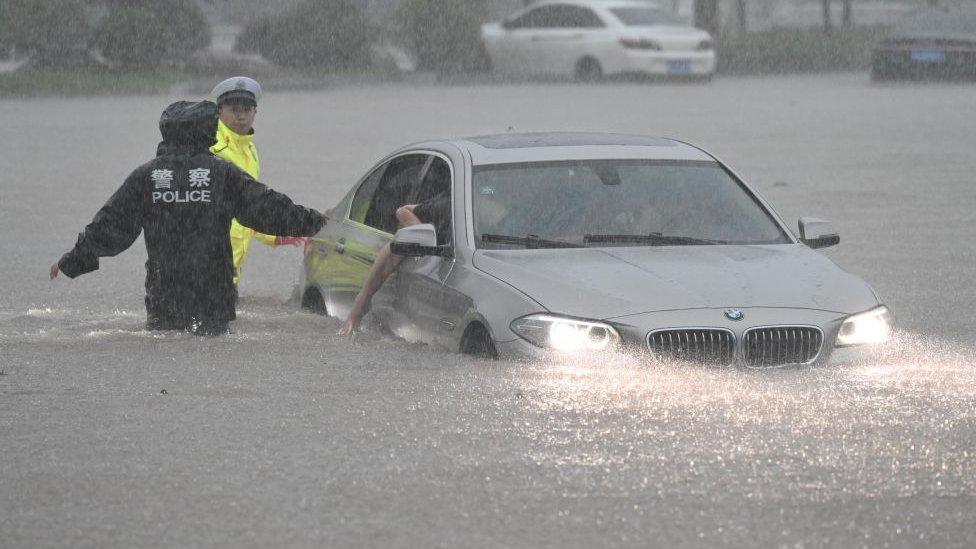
(282,433)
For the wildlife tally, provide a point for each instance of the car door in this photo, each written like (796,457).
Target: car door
(369,225)
(325,265)
(425,297)
(523,52)
(566,41)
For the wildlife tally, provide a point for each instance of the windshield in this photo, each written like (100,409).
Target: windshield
(616,203)
(647,17)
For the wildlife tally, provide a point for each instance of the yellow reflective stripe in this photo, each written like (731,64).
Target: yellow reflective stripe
(268,239)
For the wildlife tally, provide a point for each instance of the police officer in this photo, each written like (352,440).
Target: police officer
(183,201)
(237,105)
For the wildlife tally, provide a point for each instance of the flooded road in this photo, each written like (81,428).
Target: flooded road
(283,434)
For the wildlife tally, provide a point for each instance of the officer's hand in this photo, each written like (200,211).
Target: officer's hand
(55,270)
(290,240)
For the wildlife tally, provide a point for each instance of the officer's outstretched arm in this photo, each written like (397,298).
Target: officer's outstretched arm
(114,228)
(272,212)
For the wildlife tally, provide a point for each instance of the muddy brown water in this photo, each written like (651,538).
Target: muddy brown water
(283,434)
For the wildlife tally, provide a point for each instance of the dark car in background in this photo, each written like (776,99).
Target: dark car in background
(932,43)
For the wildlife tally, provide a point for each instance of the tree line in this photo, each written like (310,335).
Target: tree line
(707,14)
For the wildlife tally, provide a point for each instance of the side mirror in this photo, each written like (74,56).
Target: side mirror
(418,241)
(817,233)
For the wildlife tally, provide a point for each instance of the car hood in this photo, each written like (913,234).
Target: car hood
(606,283)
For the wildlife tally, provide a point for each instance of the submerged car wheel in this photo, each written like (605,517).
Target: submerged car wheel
(313,302)
(588,70)
(880,72)
(477,342)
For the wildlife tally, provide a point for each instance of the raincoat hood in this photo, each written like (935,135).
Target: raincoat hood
(188,127)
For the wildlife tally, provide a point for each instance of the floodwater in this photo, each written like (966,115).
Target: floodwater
(281,434)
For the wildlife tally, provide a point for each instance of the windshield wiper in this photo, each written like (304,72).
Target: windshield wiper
(530,241)
(653,239)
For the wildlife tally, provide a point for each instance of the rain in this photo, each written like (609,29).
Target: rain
(282,433)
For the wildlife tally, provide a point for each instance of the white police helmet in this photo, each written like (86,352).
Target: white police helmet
(236,87)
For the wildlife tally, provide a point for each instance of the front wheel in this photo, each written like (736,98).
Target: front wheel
(588,70)
(313,302)
(477,342)
(882,71)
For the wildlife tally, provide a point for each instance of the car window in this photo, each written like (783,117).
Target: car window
(557,16)
(647,17)
(392,190)
(433,199)
(436,180)
(364,194)
(566,201)
(532,19)
(577,17)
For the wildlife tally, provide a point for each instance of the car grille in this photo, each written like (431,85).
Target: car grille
(778,345)
(699,345)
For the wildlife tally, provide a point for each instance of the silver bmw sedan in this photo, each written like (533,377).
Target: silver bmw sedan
(571,243)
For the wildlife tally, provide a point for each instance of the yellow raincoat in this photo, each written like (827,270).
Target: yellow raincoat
(240,150)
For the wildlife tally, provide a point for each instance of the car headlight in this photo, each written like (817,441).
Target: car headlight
(565,334)
(865,328)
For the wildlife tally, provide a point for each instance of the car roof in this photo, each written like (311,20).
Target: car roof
(510,148)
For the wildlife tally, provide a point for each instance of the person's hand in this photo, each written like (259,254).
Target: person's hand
(349,326)
(291,241)
(55,270)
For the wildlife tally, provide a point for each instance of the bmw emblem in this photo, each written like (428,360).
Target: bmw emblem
(733,314)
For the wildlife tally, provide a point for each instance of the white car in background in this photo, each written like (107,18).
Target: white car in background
(590,39)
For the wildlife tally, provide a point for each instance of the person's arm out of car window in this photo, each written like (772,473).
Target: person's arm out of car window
(386,262)
(406,217)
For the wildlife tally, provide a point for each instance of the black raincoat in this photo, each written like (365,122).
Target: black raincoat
(184,201)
